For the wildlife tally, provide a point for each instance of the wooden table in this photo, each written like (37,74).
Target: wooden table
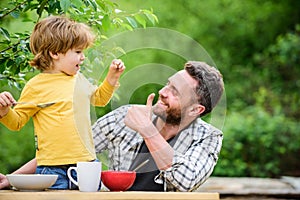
(76,195)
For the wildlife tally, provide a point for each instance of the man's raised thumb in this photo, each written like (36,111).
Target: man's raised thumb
(150,100)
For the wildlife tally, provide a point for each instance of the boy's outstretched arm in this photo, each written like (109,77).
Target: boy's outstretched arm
(28,168)
(115,70)
(6,100)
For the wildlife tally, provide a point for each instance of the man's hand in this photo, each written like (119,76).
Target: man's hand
(138,118)
(3,181)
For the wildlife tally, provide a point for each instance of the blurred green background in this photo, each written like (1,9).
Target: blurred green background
(256,46)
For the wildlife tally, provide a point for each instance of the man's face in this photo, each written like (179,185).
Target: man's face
(176,98)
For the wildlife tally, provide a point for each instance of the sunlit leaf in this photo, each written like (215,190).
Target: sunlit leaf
(152,18)
(132,22)
(93,4)
(119,49)
(128,27)
(105,22)
(77,3)
(65,4)
(140,20)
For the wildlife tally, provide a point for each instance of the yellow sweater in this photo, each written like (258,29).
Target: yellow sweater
(63,131)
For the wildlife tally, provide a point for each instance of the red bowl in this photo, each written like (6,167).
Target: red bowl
(118,180)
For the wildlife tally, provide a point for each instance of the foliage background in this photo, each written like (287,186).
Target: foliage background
(255,44)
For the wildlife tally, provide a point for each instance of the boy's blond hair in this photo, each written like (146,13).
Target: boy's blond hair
(57,34)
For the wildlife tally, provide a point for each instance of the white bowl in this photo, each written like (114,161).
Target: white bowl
(31,181)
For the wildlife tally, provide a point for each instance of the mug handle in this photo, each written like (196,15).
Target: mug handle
(70,176)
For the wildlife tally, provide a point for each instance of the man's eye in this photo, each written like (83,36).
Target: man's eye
(173,90)
(175,93)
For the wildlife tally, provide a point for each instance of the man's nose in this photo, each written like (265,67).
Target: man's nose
(163,92)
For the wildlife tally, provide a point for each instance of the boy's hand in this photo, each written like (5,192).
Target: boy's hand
(6,100)
(116,68)
(3,182)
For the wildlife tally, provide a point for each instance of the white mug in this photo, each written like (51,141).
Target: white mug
(88,176)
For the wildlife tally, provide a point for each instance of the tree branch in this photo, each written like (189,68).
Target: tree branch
(15,8)
(11,46)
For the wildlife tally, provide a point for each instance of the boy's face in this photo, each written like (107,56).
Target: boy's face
(69,62)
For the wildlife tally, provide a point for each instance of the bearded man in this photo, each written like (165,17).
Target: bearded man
(181,150)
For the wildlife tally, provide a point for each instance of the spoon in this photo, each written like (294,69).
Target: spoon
(41,105)
(141,165)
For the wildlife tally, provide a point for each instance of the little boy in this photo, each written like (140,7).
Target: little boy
(63,130)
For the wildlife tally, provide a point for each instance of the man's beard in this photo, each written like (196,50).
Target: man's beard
(170,116)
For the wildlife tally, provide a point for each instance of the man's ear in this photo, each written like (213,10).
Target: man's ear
(53,55)
(196,110)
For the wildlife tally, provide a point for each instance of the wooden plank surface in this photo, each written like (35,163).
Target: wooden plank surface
(76,195)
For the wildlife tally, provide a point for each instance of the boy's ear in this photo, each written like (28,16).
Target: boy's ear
(196,109)
(53,55)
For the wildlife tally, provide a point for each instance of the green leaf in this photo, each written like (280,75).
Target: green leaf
(132,22)
(149,14)
(77,3)
(65,5)
(5,33)
(105,22)
(152,18)
(93,4)
(119,49)
(140,20)
(127,26)
(30,6)
(9,63)
(15,14)
(102,5)
(41,8)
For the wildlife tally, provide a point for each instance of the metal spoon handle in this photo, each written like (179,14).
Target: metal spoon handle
(25,103)
(38,105)
(141,165)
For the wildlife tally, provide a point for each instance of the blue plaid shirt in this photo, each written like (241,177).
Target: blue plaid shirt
(196,149)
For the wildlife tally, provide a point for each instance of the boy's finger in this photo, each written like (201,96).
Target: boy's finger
(7,98)
(118,63)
